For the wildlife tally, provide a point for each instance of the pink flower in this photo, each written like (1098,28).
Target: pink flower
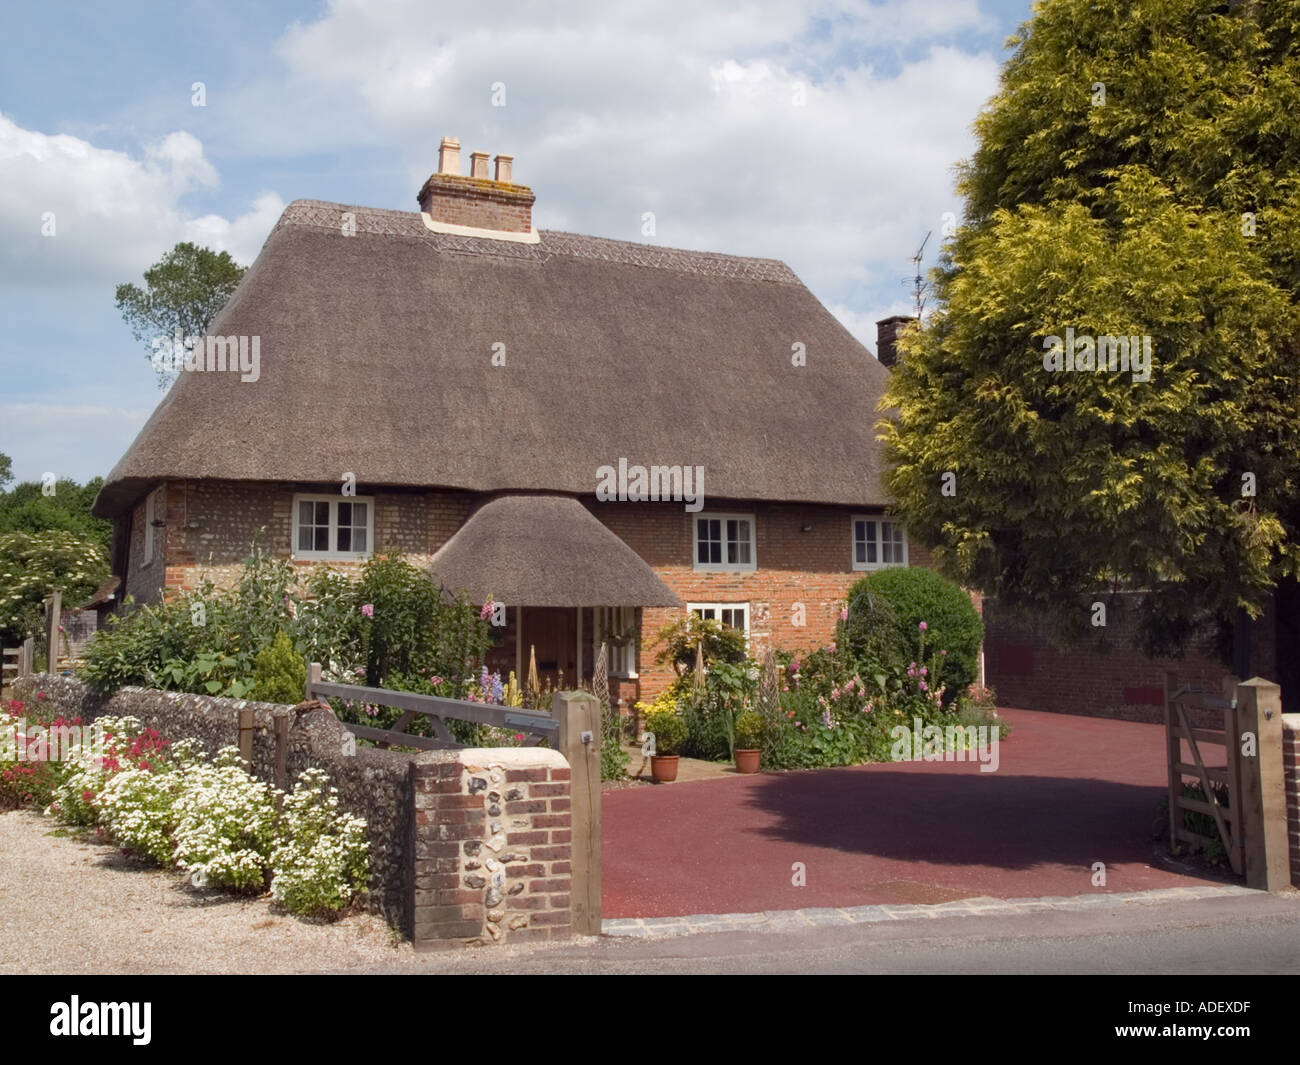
(368,610)
(924,687)
(486,612)
(943,652)
(924,671)
(518,736)
(844,614)
(831,647)
(922,626)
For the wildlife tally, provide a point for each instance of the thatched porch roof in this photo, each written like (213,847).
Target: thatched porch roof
(544,550)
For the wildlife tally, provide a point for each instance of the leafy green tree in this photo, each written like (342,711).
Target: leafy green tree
(1137,174)
(26,508)
(32,565)
(184,290)
(6,470)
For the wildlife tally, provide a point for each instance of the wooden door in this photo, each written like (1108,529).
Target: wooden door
(553,631)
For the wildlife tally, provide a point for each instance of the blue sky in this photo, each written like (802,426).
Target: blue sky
(680,107)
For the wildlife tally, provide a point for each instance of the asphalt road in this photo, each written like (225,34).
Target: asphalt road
(1249,935)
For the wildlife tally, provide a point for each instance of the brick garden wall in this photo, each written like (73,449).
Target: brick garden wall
(493,846)
(1291,769)
(1106,674)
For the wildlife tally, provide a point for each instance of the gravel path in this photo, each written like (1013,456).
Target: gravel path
(68,906)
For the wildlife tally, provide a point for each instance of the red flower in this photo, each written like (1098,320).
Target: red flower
(87,796)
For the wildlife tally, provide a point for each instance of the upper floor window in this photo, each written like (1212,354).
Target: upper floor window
(333,527)
(878,542)
(724,542)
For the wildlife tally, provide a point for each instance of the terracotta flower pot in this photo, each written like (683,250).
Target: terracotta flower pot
(663,768)
(747,759)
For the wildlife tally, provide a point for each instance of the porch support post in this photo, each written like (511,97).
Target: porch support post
(519,645)
(578,682)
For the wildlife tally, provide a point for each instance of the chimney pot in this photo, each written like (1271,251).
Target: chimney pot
(449,156)
(453,202)
(887,330)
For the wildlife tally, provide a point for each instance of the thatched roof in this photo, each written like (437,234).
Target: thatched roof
(376,358)
(541,550)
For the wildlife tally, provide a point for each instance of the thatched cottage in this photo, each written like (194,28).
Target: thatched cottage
(598,434)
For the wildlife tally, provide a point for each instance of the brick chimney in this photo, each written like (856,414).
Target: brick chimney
(887,330)
(477,205)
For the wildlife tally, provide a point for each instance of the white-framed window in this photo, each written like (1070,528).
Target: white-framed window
(732,615)
(616,626)
(724,542)
(148,528)
(878,542)
(333,527)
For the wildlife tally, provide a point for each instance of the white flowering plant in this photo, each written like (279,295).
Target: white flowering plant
(321,859)
(225,825)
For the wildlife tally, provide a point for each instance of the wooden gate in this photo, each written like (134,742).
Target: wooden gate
(1245,794)
(1216,779)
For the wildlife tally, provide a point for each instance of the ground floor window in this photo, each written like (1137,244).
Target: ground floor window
(733,615)
(332,527)
(616,626)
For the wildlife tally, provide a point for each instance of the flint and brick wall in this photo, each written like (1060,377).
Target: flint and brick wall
(1105,674)
(211,527)
(466,846)
(493,846)
(811,568)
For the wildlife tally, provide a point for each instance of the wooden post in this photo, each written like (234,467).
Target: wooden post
(27,660)
(1260,816)
(313,677)
(1173,755)
(578,715)
(52,609)
(281,751)
(246,735)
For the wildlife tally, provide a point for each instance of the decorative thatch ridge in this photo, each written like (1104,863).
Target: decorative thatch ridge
(329,216)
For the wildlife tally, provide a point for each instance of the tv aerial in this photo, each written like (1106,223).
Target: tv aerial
(920,287)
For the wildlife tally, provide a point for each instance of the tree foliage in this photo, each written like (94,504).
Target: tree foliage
(1138,174)
(184,290)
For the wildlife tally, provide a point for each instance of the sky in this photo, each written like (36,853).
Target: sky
(823,133)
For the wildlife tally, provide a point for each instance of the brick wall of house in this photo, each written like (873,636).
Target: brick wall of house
(1106,674)
(493,847)
(812,570)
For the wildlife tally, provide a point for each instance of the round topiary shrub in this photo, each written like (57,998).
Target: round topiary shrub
(886,609)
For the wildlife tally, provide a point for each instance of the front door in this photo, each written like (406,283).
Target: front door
(553,632)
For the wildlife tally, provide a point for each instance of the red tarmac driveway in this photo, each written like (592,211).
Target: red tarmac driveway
(1069,791)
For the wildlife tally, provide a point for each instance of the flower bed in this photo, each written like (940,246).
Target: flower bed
(168,804)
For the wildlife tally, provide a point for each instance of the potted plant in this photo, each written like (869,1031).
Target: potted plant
(669,732)
(749,741)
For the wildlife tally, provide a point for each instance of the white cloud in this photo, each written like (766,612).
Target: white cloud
(52,436)
(108,215)
(673,107)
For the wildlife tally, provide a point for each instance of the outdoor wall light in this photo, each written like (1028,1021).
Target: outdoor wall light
(806,527)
